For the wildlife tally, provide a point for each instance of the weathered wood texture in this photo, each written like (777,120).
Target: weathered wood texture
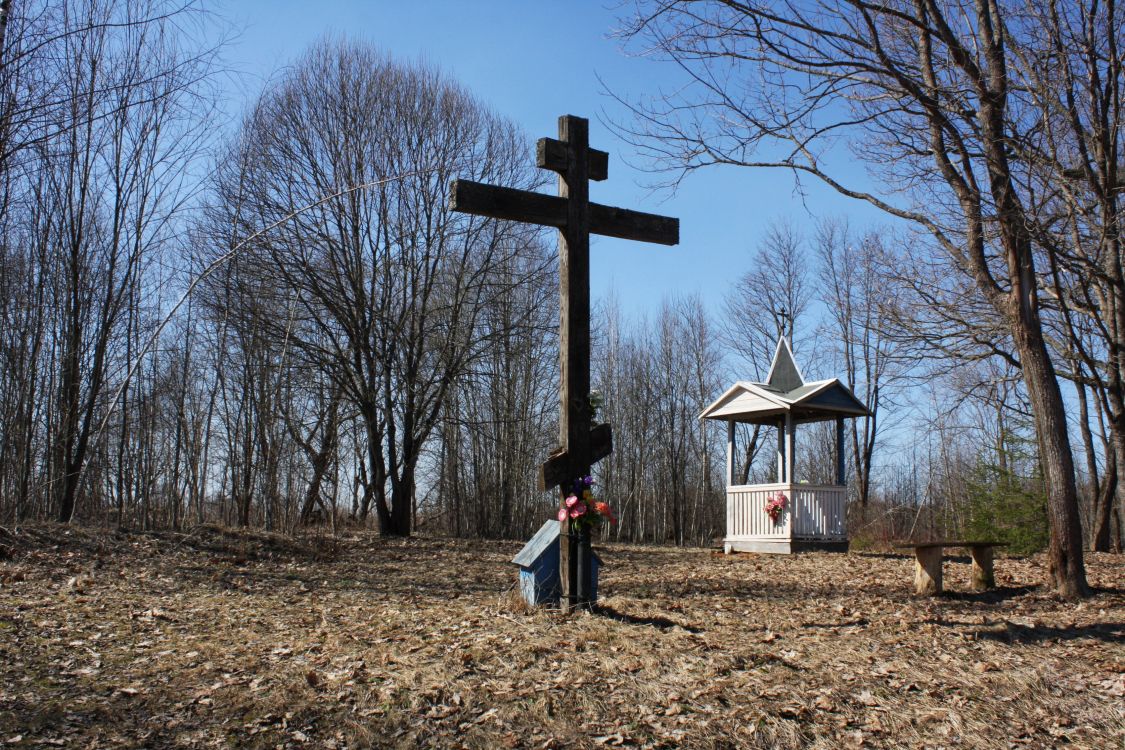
(574,323)
(927,571)
(575,217)
(574,294)
(949,543)
(982,575)
(555,471)
(928,558)
(568,567)
(627,224)
(552,154)
(495,202)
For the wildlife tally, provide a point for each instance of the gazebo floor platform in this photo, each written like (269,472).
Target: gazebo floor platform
(784,546)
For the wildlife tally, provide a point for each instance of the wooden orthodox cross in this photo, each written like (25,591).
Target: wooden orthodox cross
(572,213)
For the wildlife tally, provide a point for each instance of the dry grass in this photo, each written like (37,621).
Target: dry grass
(220,639)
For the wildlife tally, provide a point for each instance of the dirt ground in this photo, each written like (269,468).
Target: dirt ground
(222,639)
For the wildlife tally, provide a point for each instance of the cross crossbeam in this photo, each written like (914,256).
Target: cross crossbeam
(548,210)
(572,213)
(552,154)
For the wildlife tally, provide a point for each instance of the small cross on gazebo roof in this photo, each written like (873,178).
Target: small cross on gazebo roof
(785,392)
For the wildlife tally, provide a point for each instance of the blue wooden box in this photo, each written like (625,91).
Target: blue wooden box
(539,567)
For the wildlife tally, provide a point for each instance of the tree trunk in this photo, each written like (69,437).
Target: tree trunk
(321,460)
(402,490)
(1103,502)
(1064,552)
(751,450)
(1088,447)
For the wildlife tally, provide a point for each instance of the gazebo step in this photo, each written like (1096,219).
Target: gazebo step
(784,546)
(775,547)
(820,545)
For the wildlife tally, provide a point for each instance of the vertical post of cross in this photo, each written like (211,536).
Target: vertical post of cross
(574,335)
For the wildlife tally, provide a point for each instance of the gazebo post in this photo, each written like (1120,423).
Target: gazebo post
(841,474)
(780,451)
(730,452)
(790,444)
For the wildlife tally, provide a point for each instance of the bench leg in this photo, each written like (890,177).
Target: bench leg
(927,571)
(983,578)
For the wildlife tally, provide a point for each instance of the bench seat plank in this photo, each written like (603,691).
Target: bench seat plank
(948,543)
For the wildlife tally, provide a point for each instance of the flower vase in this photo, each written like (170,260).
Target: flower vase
(568,541)
(585,569)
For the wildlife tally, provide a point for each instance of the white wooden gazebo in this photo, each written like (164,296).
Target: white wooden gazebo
(814,516)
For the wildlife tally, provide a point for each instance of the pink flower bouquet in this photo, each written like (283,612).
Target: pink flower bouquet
(581,507)
(775,505)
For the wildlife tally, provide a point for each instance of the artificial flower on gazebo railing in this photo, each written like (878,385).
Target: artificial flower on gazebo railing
(582,509)
(775,505)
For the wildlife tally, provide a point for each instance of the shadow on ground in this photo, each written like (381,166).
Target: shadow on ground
(662,623)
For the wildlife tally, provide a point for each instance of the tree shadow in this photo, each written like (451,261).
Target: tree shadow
(419,568)
(1109,632)
(1111,590)
(1015,633)
(961,557)
(662,623)
(885,555)
(857,623)
(991,596)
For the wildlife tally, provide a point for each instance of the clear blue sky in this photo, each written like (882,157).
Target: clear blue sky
(533,60)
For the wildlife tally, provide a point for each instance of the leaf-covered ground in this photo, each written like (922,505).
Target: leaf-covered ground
(218,639)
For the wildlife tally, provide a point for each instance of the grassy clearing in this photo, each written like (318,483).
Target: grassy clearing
(222,639)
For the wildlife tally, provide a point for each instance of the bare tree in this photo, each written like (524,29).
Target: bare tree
(1071,73)
(770,299)
(656,379)
(923,94)
(499,422)
(100,104)
(854,296)
(385,285)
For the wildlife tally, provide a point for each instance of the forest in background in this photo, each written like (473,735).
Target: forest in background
(283,324)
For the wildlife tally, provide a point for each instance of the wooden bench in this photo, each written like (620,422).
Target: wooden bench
(927,564)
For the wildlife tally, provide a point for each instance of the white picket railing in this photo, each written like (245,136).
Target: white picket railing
(812,512)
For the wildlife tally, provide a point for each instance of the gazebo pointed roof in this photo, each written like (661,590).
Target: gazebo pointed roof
(784,374)
(785,391)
